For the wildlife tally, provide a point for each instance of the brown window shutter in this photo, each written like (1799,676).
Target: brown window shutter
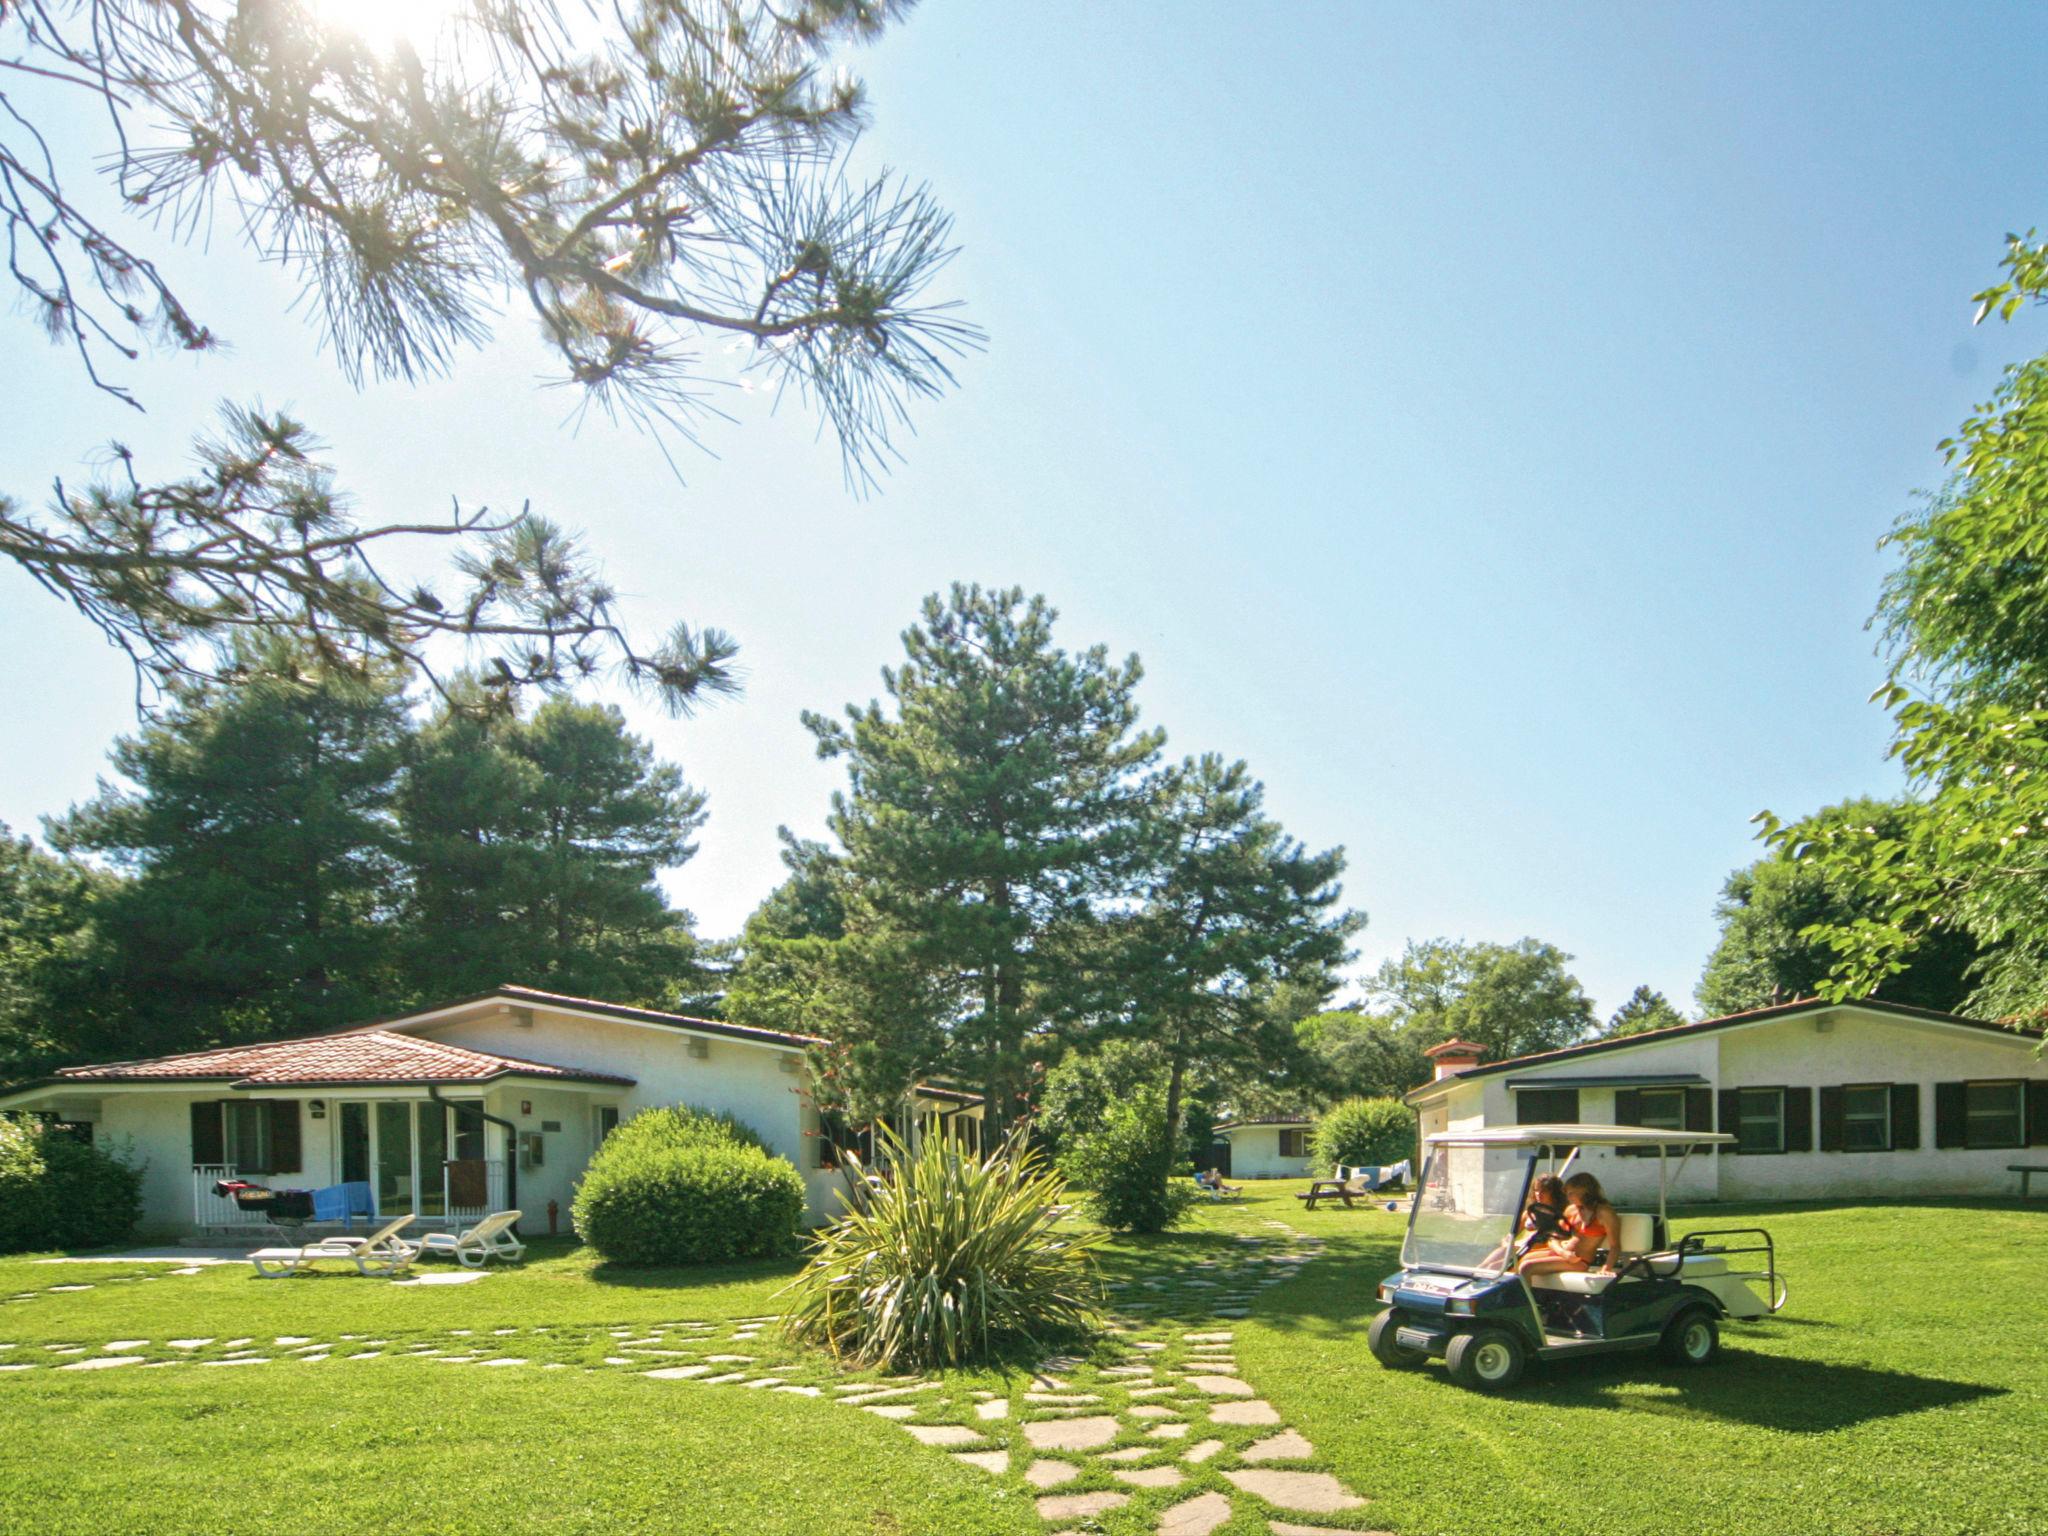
(284,1136)
(1699,1109)
(209,1142)
(1834,1132)
(2037,1113)
(1905,1116)
(1798,1119)
(1730,1115)
(1951,1121)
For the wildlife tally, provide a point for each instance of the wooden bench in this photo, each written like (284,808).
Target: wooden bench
(2026,1171)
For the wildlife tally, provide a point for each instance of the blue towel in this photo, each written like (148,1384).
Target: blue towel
(341,1202)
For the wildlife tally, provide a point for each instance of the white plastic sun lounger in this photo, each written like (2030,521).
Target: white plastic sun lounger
(491,1238)
(383,1252)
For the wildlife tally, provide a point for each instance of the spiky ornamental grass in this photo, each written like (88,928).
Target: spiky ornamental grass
(951,1259)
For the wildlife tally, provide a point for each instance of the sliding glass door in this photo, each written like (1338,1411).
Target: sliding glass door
(419,1158)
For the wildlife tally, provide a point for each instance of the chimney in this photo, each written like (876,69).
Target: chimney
(1453,1057)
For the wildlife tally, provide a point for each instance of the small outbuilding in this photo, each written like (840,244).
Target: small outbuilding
(1266,1147)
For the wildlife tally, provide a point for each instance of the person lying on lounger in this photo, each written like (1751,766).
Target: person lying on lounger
(1212,1181)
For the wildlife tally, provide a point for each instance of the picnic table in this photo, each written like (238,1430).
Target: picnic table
(2026,1171)
(1346,1190)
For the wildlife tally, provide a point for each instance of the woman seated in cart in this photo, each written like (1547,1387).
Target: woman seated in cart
(1590,1226)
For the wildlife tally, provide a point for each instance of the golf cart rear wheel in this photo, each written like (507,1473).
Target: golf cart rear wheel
(1388,1350)
(1488,1360)
(1693,1338)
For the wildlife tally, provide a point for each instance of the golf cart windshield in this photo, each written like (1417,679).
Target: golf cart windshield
(1466,1207)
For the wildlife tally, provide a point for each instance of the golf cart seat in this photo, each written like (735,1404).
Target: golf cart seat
(1580,1282)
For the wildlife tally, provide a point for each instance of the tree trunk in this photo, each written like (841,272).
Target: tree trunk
(1175,1073)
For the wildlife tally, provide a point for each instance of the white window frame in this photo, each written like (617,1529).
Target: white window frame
(1972,1116)
(1881,1116)
(1644,1096)
(1775,1119)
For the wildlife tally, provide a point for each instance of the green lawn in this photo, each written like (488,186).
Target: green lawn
(1903,1393)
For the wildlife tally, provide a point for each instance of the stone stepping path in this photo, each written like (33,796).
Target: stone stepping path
(1155,1433)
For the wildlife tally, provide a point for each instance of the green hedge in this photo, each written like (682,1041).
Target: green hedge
(57,1192)
(682,1186)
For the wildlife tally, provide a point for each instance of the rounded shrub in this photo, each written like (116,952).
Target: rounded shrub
(1127,1169)
(951,1258)
(1364,1131)
(58,1192)
(683,1186)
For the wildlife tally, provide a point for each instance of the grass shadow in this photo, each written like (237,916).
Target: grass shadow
(1793,1396)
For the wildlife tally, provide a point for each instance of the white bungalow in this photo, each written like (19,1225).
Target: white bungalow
(1265,1147)
(493,1102)
(1825,1099)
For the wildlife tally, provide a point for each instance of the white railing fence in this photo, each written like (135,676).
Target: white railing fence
(494,1193)
(211,1210)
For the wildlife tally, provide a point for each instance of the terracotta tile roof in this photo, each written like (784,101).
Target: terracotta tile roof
(369,1057)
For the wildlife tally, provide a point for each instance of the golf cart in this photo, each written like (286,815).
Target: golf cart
(1459,1299)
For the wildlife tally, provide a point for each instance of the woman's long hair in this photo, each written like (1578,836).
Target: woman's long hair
(1590,1195)
(1547,1189)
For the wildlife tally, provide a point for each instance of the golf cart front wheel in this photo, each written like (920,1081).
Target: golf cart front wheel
(1386,1348)
(1693,1338)
(1489,1360)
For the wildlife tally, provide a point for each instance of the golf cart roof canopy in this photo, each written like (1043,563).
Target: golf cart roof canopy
(1578,1136)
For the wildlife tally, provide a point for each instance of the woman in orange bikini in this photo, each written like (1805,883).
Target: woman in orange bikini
(1589,1226)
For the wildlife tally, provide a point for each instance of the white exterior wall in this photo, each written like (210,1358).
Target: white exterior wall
(736,1077)
(1255,1154)
(1857,1047)
(1873,1048)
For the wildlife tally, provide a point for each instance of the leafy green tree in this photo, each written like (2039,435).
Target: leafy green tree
(260,842)
(1127,1168)
(666,185)
(1510,998)
(986,817)
(534,847)
(1079,1092)
(1646,1009)
(1964,616)
(1354,1054)
(771,980)
(1776,916)
(1232,908)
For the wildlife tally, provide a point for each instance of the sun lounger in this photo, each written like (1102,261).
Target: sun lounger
(491,1238)
(383,1252)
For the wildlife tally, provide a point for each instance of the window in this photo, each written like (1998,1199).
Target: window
(607,1121)
(1759,1120)
(249,1130)
(1867,1118)
(1992,1115)
(1661,1109)
(1293,1142)
(1546,1106)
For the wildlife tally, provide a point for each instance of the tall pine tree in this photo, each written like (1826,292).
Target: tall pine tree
(535,847)
(1234,910)
(259,835)
(988,813)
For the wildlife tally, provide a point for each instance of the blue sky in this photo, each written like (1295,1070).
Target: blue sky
(1480,419)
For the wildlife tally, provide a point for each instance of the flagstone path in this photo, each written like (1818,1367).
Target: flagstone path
(1155,1432)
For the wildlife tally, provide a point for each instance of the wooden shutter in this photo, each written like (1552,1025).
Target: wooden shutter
(209,1142)
(1905,1116)
(1730,1117)
(1798,1119)
(1834,1130)
(1628,1106)
(2037,1113)
(1951,1117)
(284,1136)
(1699,1109)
